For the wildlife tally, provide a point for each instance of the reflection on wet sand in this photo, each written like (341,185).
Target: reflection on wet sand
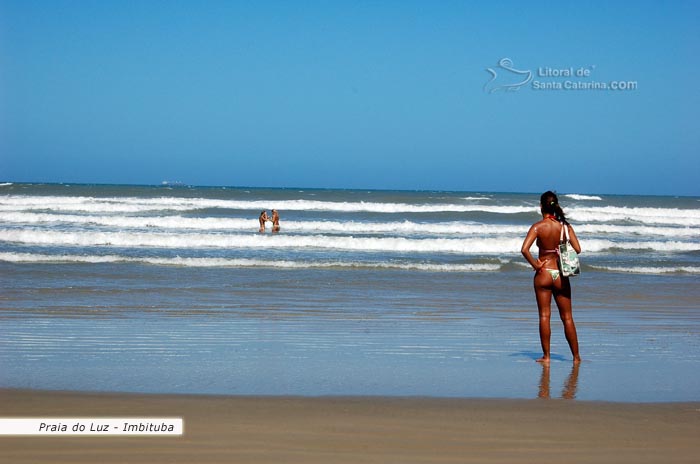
(570,385)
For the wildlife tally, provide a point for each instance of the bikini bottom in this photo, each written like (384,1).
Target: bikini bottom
(554,273)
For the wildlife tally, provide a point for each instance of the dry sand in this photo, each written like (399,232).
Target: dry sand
(361,430)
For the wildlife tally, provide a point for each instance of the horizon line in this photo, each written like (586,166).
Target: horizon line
(183,185)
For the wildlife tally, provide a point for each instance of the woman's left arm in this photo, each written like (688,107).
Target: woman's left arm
(574,240)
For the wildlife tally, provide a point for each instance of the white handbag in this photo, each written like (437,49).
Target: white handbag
(567,260)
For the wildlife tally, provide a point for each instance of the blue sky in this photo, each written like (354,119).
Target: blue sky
(350,95)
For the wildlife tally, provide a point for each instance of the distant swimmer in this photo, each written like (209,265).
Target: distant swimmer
(275,221)
(263,217)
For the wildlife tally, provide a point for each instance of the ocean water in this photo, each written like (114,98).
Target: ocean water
(172,289)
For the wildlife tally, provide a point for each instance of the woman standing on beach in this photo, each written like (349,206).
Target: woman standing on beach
(548,280)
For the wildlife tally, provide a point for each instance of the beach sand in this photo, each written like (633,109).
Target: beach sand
(361,430)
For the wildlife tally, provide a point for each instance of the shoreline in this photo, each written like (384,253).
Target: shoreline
(360,429)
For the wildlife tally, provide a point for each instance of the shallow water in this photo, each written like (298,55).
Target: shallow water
(407,319)
(348,332)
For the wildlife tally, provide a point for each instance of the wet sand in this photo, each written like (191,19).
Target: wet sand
(361,430)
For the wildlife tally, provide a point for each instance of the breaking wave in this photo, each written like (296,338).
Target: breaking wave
(234,263)
(136,205)
(650,269)
(576,196)
(471,245)
(361,227)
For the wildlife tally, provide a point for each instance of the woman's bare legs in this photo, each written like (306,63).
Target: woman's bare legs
(562,296)
(545,286)
(543,294)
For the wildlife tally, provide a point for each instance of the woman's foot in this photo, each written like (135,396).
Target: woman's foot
(545,360)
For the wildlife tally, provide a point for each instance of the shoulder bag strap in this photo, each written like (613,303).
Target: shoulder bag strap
(564,230)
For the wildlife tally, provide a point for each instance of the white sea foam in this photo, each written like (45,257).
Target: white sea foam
(651,269)
(254,240)
(87,204)
(120,205)
(670,246)
(226,262)
(576,196)
(456,228)
(132,204)
(163,222)
(231,224)
(668,216)
(637,230)
(470,245)
(6,184)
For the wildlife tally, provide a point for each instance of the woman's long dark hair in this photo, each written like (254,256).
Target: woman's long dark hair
(550,205)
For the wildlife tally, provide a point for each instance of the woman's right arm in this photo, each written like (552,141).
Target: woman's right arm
(525,249)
